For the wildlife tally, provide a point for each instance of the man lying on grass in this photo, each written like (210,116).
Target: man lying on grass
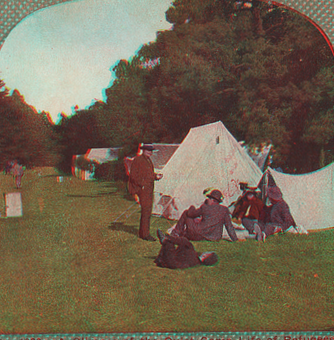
(213,218)
(178,252)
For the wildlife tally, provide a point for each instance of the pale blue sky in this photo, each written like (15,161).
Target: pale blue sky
(62,56)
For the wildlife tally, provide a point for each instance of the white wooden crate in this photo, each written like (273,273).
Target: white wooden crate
(13,203)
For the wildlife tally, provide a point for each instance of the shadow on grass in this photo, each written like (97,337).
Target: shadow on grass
(120,226)
(150,257)
(55,175)
(128,197)
(120,188)
(93,196)
(107,184)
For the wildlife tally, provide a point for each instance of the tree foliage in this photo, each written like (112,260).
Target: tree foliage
(25,135)
(264,71)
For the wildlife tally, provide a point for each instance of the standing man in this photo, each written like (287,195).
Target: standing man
(18,172)
(141,183)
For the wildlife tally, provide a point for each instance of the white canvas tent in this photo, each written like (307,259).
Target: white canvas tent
(309,196)
(209,156)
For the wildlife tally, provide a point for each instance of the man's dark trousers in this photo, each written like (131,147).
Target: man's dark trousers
(146,202)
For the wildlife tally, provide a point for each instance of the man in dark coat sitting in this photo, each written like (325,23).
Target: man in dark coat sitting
(213,218)
(178,252)
(279,219)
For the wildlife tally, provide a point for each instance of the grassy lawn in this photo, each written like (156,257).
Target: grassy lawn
(66,268)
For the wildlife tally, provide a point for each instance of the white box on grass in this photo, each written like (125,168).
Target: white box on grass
(13,203)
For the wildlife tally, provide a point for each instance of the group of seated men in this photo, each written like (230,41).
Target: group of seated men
(264,220)
(250,210)
(207,222)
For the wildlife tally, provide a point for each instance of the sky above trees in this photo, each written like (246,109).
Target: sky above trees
(62,56)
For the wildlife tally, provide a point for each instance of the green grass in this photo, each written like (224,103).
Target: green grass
(66,268)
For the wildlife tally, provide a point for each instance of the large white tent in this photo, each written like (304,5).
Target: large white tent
(208,157)
(309,196)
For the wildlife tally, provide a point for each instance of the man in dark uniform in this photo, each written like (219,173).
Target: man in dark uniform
(141,183)
(213,218)
(178,252)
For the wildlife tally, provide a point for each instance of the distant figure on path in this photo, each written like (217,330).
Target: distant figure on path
(213,218)
(141,183)
(8,167)
(18,172)
(178,252)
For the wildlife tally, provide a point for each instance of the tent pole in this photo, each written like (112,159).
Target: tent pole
(127,216)
(159,216)
(125,212)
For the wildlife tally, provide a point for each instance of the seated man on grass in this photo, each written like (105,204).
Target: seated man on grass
(213,218)
(249,211)
(178,252)
(279,217)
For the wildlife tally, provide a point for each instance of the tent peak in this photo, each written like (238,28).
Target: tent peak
(218,123)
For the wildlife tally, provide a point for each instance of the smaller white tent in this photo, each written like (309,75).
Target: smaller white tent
(99,155)
(309,196)
(209,156)
(102,155)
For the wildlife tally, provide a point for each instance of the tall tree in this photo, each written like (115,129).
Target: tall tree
(254,67)
(25,135)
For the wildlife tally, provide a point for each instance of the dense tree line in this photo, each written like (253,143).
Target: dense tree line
(25,135)
(264,71)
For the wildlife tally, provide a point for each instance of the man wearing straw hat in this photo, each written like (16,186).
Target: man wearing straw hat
(141,183)
(213,218)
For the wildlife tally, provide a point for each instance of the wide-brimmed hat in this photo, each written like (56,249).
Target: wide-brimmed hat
(274,193)
(148,147)
(215,194)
